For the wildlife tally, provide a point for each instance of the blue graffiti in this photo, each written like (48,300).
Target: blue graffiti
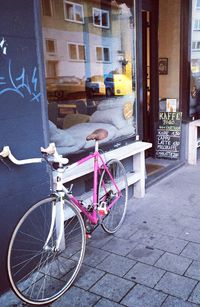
(20,84)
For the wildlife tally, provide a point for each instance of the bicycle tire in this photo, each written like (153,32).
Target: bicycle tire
(39,276)
(115,216)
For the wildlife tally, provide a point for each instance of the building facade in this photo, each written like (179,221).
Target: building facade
(70,67)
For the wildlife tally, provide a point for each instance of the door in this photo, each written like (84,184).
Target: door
(148,27)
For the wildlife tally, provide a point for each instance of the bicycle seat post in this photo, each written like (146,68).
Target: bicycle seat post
(96,145)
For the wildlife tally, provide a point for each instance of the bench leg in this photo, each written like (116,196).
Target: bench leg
(139,166)
(192,144)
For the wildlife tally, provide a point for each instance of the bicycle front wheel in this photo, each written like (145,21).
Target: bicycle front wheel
(113,190)
(39,272)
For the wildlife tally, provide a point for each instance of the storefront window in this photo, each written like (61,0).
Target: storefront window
(89,52)
(195,61)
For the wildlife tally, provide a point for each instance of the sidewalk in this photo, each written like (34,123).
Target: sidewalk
(153,260)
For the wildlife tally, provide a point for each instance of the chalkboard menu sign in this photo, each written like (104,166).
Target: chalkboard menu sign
(168,135)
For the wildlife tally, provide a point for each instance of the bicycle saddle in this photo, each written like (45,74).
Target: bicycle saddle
(97,135)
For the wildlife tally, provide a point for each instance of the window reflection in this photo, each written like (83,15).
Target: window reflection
(195,60)
(89,51)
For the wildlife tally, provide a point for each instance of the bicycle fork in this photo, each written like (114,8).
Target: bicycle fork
(57,223)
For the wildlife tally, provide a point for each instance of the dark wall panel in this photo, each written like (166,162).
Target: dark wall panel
(22,116)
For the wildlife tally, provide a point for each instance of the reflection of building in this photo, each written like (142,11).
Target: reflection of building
(85,39)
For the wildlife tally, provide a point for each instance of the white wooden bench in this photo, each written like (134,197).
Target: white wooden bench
(136,176)
(193,141)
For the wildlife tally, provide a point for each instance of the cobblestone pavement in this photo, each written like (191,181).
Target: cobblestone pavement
(152,261)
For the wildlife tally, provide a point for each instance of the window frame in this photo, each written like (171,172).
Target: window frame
(77,51)
(101,11)
(196,43)
(51,9)
(103,58)
(74,5)
(55,45)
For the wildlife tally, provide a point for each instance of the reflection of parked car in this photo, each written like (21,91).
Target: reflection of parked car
(95,86)
(64,87)
(109,85)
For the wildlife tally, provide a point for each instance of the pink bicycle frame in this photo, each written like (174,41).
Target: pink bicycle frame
(93,217)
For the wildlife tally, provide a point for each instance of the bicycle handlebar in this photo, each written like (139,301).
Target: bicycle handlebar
(50,150)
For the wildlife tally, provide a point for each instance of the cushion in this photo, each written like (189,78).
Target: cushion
(115,117)
(115,102)
(60,137)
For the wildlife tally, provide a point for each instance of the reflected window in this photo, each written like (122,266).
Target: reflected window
(197,25)
(195,61)
(47,9)
(102,54)
(73,12)
(90,72)
(196,46)
(197,4)
(76,52)
(50,45)
(101,18)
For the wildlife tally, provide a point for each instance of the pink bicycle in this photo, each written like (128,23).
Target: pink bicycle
(47,246)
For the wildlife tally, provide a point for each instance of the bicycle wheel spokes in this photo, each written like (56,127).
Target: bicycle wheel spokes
(39,273)
(114,194)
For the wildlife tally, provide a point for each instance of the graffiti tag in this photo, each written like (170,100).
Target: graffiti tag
(21,83)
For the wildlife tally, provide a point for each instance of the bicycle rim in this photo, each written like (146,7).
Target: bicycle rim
(40,275)
(108,192)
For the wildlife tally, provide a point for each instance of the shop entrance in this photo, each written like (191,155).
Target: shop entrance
(149,17)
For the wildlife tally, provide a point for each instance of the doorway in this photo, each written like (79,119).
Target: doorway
(150,86)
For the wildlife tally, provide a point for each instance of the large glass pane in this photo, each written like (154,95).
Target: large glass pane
(195,60)
(91,74)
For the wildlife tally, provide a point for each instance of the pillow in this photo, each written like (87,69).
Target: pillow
(114,117)
(116,102)
(60,137)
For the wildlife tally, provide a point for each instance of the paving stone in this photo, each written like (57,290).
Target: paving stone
(99,238)
(195,296)
(93,256)
(176,302)
(171,244)
(194,270)
(76,297)
(117,265)
(173,263)
(141,296)
(119,246)
(192,250)
(146,238)
(112,287)
(176,285)
(106,303)
(191,235)
(9,299)
(87,277)
(126,230)
(145,274)
(146,254)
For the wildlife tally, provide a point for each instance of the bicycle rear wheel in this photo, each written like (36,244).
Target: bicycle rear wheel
(108,193)
(38,273)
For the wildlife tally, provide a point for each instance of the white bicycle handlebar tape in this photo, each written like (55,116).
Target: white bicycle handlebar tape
(5,152)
